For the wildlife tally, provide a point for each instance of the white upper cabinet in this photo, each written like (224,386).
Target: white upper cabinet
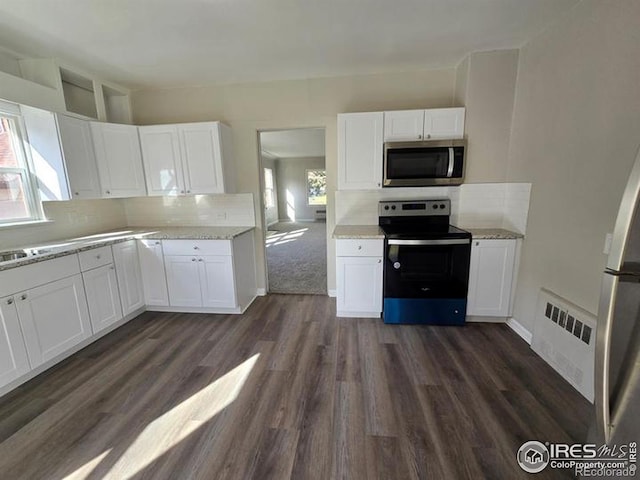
(46,155)
(403,125)
(443,123)
(190,158)
(119,160)
(79,157)
(162,159)
(360,141)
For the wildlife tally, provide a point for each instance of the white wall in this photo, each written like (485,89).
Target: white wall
(575,133)
(292,187)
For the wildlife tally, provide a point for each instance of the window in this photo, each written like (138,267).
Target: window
(316,187)
(17,193)
(269,199)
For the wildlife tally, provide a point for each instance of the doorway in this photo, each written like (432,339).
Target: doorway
(294,196)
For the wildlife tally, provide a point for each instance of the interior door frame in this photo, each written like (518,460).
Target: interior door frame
(263,213)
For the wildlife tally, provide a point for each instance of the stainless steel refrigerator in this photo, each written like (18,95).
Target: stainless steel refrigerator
(617,367)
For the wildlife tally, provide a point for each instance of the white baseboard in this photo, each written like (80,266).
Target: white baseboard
(332,293)
(520,330)
(261,292)
(481,319)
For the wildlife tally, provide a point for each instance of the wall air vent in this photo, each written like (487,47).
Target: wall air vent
(564,336)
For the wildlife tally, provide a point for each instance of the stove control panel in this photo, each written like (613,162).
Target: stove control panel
(415,208)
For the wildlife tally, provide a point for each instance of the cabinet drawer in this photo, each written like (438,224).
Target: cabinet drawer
(30,276)
(196,247)
(96,257)
(359,247)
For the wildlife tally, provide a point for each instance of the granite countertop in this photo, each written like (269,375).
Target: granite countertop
(357,231)
(493,233)
(60,248)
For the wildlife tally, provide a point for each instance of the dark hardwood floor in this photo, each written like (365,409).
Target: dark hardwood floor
(288,390)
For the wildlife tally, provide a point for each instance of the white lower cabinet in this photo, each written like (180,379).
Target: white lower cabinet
(491,277)
(154,278)
(216,281)
(359,278)
(103,297)
(196,277)
(13,352)
(125,257)
(183,280)
(54,318)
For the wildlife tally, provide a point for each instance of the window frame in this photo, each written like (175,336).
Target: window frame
(306,182)
(26,171)
(269,191)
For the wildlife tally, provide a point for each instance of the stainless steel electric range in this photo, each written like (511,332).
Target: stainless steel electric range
(426,268)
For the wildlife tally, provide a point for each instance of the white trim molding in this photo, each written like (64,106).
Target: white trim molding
(520,330)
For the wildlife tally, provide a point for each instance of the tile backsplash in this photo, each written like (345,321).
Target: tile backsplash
(195,210)
(479,205)
(67,219)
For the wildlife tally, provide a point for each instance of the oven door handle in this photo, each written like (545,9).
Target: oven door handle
(451,163)
(452,241)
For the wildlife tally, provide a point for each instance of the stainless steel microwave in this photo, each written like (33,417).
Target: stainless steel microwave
(421,164)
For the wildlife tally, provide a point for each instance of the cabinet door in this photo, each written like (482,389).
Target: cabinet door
(154,278)
(201,157)
(444,123)
(491,277)
(359,282)
(403,125)
(125,257)
(119,160)
(183,281)
(217,282)
(46,154)
(103,298)
(161,157)
(360,141)
(54,318)
(79,157)
(13,353)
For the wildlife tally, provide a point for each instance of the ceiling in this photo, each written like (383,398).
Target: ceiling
(296,143)
(167,43)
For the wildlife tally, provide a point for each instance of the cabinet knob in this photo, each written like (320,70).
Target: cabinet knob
(196,248)
(157,243)
(98,256)
(200,260)
(181,191)
(188,191)
(76,194)
(429,136)
(379,261)
(108,192)
(10,301)
(419,137)
(23,296)
(112,267)
(378,183)
(359,247)
(477,243)
(193,259)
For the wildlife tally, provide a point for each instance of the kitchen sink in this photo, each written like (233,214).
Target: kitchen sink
(12,255)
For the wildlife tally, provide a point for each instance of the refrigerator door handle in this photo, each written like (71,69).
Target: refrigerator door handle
(603,354)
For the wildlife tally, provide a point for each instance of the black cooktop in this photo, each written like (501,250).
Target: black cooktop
(426,232)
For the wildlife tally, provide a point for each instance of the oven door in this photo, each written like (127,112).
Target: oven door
(437,268)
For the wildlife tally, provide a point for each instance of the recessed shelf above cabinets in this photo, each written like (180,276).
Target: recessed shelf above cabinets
(79,94)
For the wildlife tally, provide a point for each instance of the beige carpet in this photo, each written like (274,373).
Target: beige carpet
(297,257)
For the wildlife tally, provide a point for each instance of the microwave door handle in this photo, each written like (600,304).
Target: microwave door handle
(451,161)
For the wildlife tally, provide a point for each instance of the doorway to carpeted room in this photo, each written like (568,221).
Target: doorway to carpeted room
(296,257)
(294,194)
